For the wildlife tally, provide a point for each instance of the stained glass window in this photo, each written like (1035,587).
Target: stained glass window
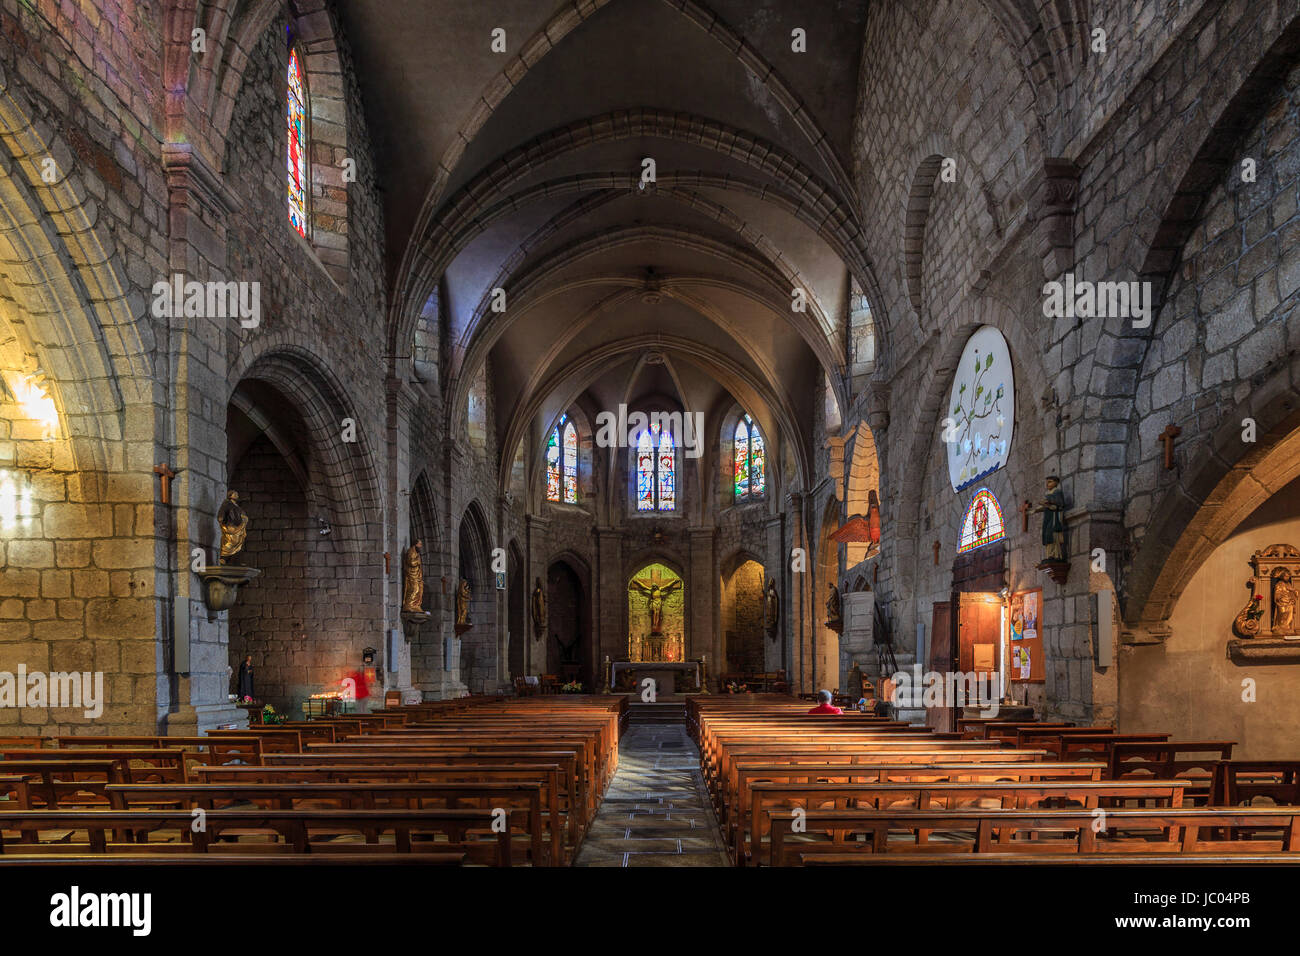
(553,466)
(562,462)
(645,473)
(748,460)
(667,472)
(656,470)
(570,463)
(982,523)
(296,98)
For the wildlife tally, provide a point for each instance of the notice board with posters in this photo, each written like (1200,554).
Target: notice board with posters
(1025,661)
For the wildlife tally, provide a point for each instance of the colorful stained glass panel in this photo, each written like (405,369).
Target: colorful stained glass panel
(296,109)
(570,463)
(982,523)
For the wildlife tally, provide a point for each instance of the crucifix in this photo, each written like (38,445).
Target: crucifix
(1024,510)
(165,473)
(936,552)
(1167,436)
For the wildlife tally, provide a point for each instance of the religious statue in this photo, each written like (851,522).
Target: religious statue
(1284,600)
(538,607)
(1053,509)
(463,594)
(772,611)
(234,526)
(413,579)
(656,594)
(833,603)
(244,687)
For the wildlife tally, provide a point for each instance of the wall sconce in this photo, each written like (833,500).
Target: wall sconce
(15,500)
(32,395)
(325,528)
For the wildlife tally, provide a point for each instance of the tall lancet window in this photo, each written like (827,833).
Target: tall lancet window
(656,470)
(296,113)
(562,463)
(749,459)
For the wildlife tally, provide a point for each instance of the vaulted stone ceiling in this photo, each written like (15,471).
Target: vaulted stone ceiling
(522,170)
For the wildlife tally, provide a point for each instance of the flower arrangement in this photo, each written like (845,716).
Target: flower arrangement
(1255,612)
(572,687)
(737,687)
(269,715)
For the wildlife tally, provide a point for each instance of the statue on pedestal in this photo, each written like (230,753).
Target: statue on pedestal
(772,609)
(833,610)
(413,578)
(463,595)
(538,607)
(1053,510)
(234,526)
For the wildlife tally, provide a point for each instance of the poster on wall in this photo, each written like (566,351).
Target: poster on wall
(979,418)
(1025,636)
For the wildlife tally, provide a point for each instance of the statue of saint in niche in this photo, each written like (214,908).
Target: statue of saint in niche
(1284,601)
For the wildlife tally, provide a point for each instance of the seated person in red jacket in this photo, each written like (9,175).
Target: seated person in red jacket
(824,699)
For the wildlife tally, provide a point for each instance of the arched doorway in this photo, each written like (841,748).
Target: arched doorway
(742,615)
(478,648)
(568,626)
(311,527)
(826,648)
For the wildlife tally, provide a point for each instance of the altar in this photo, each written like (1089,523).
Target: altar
(670,677)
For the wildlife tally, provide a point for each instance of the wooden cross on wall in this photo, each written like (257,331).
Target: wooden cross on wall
(1167,436)
(1024,515)
(165,475)
(936,552)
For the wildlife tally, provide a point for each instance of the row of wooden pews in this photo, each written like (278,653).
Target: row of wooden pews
(488,781)
(794,789)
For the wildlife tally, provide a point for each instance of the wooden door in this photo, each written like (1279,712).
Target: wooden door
(940,718)
(979,636)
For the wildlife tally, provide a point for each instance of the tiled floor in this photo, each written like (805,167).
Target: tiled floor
(656,812)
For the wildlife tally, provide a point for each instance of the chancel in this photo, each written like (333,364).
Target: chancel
(546,407)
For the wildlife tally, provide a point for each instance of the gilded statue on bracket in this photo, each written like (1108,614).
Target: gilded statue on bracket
(234,526)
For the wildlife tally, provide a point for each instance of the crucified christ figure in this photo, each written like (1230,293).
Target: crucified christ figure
(656,594)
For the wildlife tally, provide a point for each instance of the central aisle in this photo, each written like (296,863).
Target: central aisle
(656,812)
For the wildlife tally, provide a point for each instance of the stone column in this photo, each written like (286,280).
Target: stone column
(609,624)
(705,637)
(402,400)
(537,532)
(193,437)
(778,569)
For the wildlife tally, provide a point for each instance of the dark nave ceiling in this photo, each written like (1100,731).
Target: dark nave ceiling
(532,186)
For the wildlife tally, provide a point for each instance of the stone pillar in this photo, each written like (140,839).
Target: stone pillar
(778,569)
(702,593)
(402,400)
(797,645)
(537,532)
(193,437)
(609,623)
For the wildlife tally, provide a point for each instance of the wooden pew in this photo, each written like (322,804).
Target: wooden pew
(299,831)
(348,796)
(545,776)
(766,797)
(978,832)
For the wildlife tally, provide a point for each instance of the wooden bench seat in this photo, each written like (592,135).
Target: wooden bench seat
(297,831)
(767,797)
(910,832)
